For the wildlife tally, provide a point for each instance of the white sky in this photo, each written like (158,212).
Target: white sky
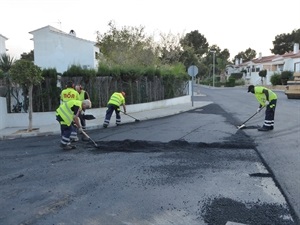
(232,24)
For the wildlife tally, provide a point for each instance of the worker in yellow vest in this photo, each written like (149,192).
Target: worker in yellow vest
(116,100)
(266,98)
(69,93)
(67,114)
(83,95)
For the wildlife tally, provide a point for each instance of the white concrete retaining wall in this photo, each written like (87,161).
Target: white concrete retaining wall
(3,112)
(47,118)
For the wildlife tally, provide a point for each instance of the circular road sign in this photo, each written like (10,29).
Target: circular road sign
(193,71)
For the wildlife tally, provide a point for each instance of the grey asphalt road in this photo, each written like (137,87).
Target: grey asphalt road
(280,149)
(191,168)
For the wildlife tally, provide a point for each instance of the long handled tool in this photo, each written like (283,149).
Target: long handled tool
(85,134)
(136,120)
(243,124)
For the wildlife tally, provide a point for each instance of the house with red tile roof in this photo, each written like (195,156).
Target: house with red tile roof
(274,64)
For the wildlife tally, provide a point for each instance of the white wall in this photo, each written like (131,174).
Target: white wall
(53,49)
(2,44)
(3,112)
(47,118)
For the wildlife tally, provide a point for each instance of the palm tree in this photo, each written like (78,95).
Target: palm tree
(6,63)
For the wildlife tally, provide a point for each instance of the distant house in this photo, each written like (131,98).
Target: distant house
(273,64)
(54,48)
(2,44)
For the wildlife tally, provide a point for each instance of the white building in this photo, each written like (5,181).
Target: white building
(54,48)
(2,44)
(273,64)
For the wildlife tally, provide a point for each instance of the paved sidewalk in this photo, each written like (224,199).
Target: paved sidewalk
(54,128)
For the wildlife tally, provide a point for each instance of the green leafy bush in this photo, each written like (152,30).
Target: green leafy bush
(230,82)
(275,79)
(262,73)
(285,76)
(236,76)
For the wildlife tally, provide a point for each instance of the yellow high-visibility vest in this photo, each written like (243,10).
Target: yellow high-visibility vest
(117,99)
(65,111)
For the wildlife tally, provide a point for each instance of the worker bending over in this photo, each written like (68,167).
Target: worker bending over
(116,100)
(268,99)
(67,114)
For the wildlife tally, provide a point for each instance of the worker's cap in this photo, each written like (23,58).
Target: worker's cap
(87,103)
(250,88)
(123,93)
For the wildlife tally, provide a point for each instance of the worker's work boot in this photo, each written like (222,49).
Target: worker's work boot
(66,147)
(73,146)
(104,125)
(74,139)
(263,128)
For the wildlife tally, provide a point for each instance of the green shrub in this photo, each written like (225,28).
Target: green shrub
(262,73)
(230,82)
(275,79)
(239,82)
(285,76)
(236,75)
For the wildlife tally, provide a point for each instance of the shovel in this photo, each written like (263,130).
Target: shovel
(243,124)
(136,120)
(85,134)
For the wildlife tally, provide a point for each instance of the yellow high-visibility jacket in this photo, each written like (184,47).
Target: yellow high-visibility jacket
(66,112)
(261,97)
(69,94)
(117,99)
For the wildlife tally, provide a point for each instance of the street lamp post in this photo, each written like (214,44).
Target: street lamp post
(214,55)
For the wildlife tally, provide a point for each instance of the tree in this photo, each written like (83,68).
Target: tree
(284,43)
(262,74)
(28,56)
(170,48)
(196,41)
(6,63)
(128,46)
(246,56)
(26,74)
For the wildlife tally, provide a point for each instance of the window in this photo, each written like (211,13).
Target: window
(96,55)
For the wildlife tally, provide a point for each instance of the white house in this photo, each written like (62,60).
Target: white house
(2,44)
(273,64)
(54,48)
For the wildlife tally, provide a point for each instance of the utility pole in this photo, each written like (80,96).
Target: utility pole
(214,55)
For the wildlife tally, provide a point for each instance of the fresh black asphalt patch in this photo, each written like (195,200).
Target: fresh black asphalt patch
(130,181)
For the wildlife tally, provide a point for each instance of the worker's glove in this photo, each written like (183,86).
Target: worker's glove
(258,110)
(80,130)
(266,103)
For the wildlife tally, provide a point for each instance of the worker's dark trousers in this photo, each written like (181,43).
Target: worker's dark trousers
(110,109)
(270,114)
(68,133)
(65,134)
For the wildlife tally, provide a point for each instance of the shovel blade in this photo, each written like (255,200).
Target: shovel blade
(241,126)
